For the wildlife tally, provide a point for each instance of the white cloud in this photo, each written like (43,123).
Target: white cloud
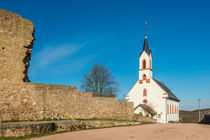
(75,65)
(51,54)
(60,59)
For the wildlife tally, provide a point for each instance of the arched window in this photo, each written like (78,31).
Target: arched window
(145,101)
(144,77)
(145,92)
(172,109)
(144,64)
(150,64)
(167,108)
(177,110)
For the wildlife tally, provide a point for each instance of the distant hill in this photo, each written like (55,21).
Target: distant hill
(192,116)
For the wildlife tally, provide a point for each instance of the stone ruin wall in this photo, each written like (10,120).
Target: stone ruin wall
(38,101)
(21,100)
(16,42)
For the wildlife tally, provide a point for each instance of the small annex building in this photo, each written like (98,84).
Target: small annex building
(150,96)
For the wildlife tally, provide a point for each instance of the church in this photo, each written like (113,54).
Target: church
(150,96)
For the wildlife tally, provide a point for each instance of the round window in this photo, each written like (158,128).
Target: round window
(144,101)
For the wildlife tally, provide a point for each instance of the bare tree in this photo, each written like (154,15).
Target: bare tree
(100,82)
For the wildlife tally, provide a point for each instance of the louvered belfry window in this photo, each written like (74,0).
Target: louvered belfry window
(144,64)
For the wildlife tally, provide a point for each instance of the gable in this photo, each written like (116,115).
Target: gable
(144,55)
(153,91)
(133,88)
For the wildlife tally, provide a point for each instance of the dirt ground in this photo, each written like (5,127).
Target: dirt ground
(140,132)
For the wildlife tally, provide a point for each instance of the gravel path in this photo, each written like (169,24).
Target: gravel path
(140,132)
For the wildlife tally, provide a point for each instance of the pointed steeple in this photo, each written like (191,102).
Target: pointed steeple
(145,60)
(146,46)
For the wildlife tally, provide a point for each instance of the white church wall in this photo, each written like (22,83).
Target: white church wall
(151,59)
(159,101)
(134,95)
(154,99)
(147,72)
(172,114)
(145,56)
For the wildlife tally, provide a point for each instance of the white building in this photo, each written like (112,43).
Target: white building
(150,96)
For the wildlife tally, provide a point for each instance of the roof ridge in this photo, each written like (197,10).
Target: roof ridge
(165,88)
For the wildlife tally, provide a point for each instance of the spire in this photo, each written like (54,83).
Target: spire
(146,46)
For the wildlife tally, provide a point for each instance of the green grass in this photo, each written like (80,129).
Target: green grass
(147,123)
(29,136)
(45,119)
(60,119)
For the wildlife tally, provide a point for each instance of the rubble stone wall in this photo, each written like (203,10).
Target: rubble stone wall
(16,42)
(42,101)
(21,100)
(28,128)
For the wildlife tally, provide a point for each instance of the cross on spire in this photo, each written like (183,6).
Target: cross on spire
(145,29)
(146,46)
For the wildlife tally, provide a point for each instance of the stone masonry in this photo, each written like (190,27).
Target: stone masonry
(22,100)
(28,128)
(31,101)
(16,42)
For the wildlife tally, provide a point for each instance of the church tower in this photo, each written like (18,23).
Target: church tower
(151,97)
(145,61)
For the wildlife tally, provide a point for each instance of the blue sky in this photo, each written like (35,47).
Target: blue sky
(72,35)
